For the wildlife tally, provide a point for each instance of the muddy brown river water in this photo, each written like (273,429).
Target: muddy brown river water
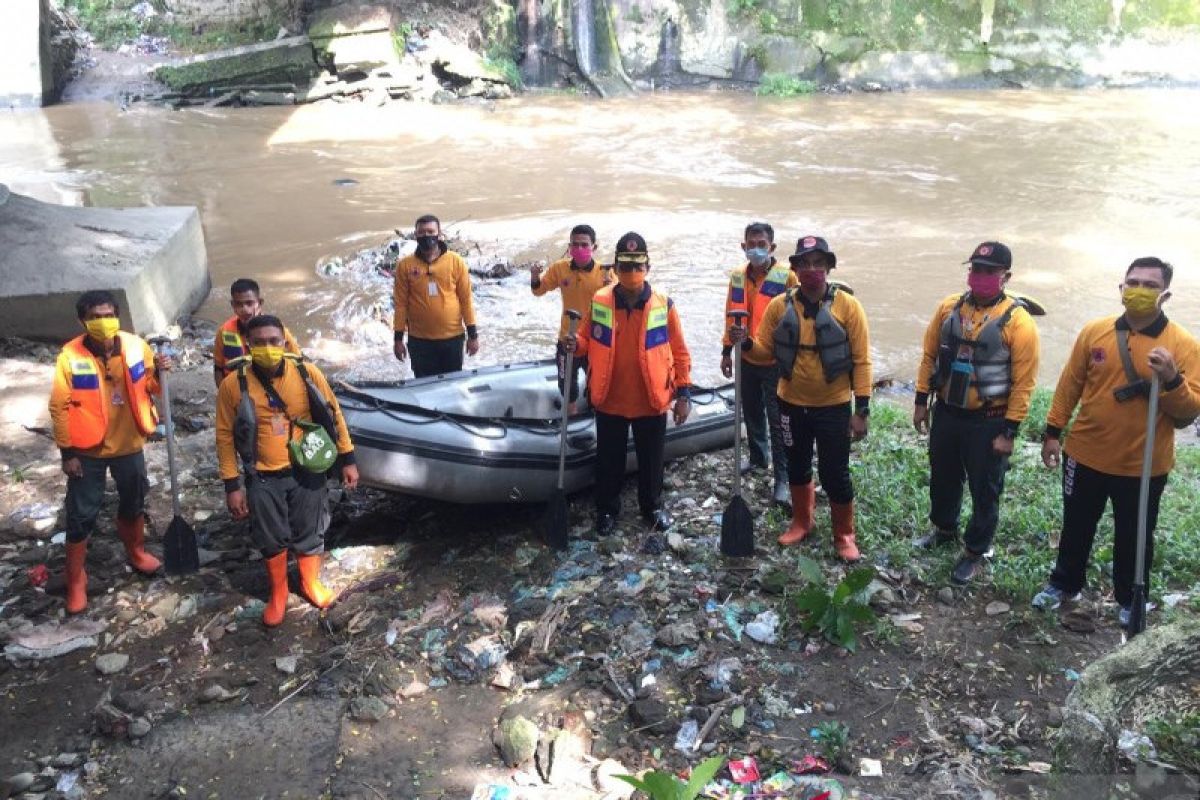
(903,186)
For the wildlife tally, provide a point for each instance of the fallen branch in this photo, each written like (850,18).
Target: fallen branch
(713,719)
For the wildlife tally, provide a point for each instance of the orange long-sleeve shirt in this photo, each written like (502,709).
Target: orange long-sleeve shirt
(577,287)
(290,345)
(433,300)
(1020,336)
(121,437)
(807,386)
(273,426)
(752,299)
(1109,435)
(628,395)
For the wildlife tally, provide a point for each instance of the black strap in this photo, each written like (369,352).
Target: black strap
(1131,375)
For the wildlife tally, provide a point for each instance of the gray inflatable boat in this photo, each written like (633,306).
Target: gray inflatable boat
(491,435)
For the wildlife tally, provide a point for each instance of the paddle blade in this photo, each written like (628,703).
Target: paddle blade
(737,529)
(555,524)
(1137,611)
(179,548)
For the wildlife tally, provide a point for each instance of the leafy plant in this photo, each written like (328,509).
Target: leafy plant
(833,738)
(1178,740)
(837,614)
(400,38)
(742,8)
(501,60)
(778,84)
(659,785)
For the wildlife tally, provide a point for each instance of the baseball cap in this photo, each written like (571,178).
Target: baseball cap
(991,254)
(812,244)
(631,243)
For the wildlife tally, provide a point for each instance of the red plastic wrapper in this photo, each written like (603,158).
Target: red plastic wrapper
(811,765)
(744,770)
(38,575)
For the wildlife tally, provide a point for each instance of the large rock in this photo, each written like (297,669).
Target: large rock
(457,63)
(152,259)
(353,38)
(283,61)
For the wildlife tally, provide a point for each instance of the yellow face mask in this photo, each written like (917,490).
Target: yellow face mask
(102,328)
(1140,300)
(266,356)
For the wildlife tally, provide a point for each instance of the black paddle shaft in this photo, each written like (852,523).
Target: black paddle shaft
(739,321)
(568,379)
(1137,608)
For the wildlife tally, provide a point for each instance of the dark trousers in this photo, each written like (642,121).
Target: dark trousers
(828,428)
(578,365)
(960,451)
(436,356)
(1085,494)
(285,515)
(85,494)
(612,440)
(760,413)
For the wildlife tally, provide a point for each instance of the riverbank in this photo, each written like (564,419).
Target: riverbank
(445,626)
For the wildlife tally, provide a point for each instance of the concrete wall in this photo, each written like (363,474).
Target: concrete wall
(26,68)
(153,259)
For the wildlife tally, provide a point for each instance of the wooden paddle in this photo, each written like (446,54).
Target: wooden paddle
(179,543)
(557,523)
(737,523)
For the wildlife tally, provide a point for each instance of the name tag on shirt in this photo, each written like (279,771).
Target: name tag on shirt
(432,289)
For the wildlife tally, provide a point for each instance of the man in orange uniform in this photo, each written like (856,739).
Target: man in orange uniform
(433,302)
(638,364)
(288,506)
(980,361)
(102,412)
(818,336)
(1106,440)
(246,299)
(578,277)
(751,288)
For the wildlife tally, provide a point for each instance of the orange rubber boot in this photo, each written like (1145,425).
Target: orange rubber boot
(133,535)
(76,577)
(804,501)
(277,577)
(310,581)
(843,531)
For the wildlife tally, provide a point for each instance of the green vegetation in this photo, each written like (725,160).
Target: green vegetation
(400,38)
(833,739)
(1177,740)
(111,23)
(742,8)
(501,60)
(658,785)
(891,475)
(837,614)
(777,84)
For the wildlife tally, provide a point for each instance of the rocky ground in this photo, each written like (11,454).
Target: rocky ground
(464,659)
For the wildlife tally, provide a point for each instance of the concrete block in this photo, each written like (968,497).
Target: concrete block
(26,63)
(152,259)
(288,60)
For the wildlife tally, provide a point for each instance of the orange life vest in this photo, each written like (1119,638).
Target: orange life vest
(654,349)
(232,344)
(87,413)
(774,283)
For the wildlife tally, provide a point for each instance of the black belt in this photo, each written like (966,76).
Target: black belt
(984,412)
(274,473)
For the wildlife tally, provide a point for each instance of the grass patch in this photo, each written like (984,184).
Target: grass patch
(502,61)
(891,477)
(1177,739)
(111,24)
(777,84)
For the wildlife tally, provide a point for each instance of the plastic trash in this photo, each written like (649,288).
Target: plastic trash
(744,770)
(38,575)
(762,629)
(685,739)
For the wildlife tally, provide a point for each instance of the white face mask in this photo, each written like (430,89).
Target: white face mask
(758,256)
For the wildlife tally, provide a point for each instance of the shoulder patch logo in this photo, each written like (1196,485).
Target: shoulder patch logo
(1098,355)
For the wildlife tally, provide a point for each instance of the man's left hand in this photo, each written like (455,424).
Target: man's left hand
(349,476)
(683,407)
(163,363)
(1163,363)
(1002,445)
(858,427)
(472,346)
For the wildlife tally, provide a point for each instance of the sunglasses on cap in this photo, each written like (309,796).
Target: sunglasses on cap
(630,262)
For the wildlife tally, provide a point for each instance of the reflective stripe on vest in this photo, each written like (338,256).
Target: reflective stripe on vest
(992,377)
(87,413)
(232,344)
(831,342)
(774,284)
(654,352)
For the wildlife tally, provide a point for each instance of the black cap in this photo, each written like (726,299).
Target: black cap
(812,244)
(632,243)
(991,254)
